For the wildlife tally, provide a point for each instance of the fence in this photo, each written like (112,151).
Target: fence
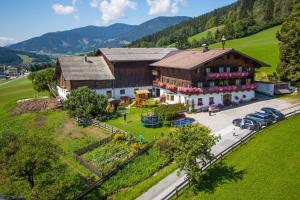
(111,172)
(186,182)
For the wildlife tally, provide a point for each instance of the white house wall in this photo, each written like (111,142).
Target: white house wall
(129,91)
(218,97)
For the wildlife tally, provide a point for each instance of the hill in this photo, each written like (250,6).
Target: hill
(91,37)
(12,57)
(262,46)
(240,19)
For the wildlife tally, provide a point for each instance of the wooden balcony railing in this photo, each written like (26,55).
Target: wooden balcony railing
(226,75)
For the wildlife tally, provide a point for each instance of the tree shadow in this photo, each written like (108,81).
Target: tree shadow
(217,175)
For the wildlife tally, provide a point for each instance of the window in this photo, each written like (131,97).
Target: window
(122,91)
(211,84)
(200,102)
(226,82)
(248,81)
(109,93)
(172,97)
(240,68)
(228,69)
(200,84)
(221,69)
(211,100)
(237,82)
(207,70)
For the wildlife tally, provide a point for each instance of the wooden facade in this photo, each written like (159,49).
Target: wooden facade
(198,76)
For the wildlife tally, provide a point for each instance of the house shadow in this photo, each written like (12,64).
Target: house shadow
(217,175)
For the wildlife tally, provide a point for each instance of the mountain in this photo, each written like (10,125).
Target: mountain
(240,19)
(91,37)
(13,57)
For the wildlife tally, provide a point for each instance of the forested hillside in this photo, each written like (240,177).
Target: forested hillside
(245,17)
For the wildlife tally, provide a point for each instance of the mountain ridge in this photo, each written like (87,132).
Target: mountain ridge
(90,37)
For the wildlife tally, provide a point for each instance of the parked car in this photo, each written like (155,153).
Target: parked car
(237,122)
(246,124)
(265,115)
(276,113)
(259,120)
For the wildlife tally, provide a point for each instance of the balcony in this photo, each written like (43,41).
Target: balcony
(209,90)
(227,75)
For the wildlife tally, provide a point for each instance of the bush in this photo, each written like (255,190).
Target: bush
(165,145)
(42,78)
(119,136)
(169,112)
(82,102)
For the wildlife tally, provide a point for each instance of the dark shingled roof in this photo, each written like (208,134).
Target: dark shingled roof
(192,59)
(136,54)
(76,68)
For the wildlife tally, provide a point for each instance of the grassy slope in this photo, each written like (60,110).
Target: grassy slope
(262,46)
(25,58)
(200,35)
(204,34)
(51,123)
(270,163)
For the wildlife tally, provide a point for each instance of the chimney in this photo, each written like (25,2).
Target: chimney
(205,48)
(85,58)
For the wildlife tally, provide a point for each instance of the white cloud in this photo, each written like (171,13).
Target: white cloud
(112,9)
(66,10)
(4,41)
(164,7)
(63,10)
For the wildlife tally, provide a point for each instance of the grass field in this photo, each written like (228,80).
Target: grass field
(134,125)
(267,167)
(263,46)
(53,123)
(204,33)
(25,58)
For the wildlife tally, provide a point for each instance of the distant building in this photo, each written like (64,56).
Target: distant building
(12,71)
(199,78)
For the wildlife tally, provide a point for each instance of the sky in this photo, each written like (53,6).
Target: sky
(24,19)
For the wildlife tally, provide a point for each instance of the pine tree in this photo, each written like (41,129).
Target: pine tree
(289,37)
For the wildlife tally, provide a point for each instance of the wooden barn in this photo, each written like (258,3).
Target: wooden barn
(76,71)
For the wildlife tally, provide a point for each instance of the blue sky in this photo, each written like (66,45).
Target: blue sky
(24,19)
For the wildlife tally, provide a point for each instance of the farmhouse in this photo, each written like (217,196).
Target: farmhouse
(197,78)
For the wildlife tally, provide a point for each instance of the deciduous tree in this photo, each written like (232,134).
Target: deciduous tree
(193,145)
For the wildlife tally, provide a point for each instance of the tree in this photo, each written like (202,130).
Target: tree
(24,157)
(193,145)
(289,37)
(182,42)
(42,78)
(82,102)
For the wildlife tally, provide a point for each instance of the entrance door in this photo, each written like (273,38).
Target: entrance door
(226,99)
(157,92)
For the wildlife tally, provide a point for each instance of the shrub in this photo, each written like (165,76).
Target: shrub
(165,145)
(169,112)
(119,136)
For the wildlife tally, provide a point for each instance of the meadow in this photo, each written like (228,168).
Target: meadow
(266,167)
(263,46)
(55,124)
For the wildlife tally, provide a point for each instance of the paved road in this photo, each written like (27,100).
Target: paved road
(221,124)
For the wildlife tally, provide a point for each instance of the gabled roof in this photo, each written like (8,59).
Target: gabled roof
(77,68)
(192,59)
(136,54)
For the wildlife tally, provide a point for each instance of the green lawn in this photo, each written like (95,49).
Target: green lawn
(263,46)
(267,167)
(134,125)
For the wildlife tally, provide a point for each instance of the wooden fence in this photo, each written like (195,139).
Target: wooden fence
(186,182)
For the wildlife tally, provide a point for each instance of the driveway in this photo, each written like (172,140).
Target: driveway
(220,124)
(223,120)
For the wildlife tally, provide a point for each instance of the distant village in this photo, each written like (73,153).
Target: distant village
(11,72)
